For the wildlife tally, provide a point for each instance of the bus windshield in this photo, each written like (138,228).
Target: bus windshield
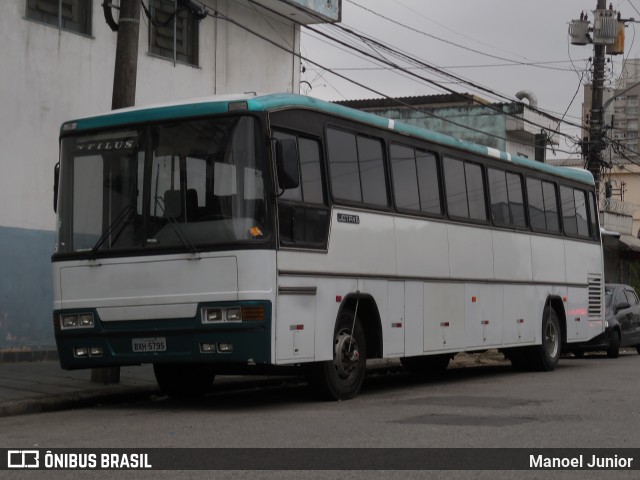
(176,185)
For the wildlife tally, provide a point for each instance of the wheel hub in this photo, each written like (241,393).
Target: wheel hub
(346,354)
(551,340)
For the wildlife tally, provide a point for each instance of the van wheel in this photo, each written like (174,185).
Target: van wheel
(614,345)
(342,377)
(184,380)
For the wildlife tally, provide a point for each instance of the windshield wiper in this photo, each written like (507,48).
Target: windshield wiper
(175,226)
(124,215)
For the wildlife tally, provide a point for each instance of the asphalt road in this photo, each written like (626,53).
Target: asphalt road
(586,403)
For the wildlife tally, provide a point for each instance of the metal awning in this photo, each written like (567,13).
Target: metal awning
(629,242)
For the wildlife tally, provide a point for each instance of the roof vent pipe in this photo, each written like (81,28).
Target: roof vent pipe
(533,100)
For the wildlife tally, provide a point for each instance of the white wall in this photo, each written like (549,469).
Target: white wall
(49,76)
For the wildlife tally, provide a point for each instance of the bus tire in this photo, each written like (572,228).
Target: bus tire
(342,377)
(184,380)
(544,357)
(426,364)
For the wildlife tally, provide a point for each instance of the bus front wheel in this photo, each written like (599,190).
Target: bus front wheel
(184,380)
(342,377)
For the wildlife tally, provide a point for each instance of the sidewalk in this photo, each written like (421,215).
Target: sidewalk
(33,387)
(42,386)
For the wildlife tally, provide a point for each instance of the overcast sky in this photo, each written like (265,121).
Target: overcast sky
(492,43)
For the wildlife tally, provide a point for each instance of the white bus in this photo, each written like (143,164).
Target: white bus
(233,234)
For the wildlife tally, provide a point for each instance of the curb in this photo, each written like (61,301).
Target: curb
(14,356)
(112,394)
(74,400)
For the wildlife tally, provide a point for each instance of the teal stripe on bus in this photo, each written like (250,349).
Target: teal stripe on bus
(279,101)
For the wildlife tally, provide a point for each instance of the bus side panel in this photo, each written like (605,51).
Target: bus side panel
(586,259)
(512,256)
(444,313)
(414,318)
(296,319)
(470,252)
(428,238)
(519,322)
(547,260)
(483,315)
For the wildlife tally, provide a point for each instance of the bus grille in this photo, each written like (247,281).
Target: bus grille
(595,296)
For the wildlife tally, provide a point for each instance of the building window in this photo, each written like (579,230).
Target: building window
(71,15)
(173,32)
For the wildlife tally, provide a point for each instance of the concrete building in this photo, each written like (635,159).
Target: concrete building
(511,127)
(58,62)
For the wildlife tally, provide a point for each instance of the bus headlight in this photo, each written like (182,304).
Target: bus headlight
(234,314)
(250,313)
(82,320)
(211,315)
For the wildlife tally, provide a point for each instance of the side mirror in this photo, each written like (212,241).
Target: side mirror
(287,163)
(621,306)
(56,182)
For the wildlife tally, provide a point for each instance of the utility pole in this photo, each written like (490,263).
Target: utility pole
(124,95)
(607,36)
(596,120)
(126,68)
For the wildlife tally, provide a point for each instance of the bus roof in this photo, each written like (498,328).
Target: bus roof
(262,103)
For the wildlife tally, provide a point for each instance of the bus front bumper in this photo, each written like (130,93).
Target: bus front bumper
(182,340)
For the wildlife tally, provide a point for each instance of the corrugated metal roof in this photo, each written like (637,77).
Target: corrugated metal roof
(400,102)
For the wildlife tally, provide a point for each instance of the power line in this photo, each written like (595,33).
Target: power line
(453,67)
(406,57)
(366,40)
(293,52)
(448,42)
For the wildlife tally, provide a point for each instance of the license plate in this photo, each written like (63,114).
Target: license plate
(143,345)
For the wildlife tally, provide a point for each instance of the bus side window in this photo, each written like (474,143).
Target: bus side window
(593,217)
(569,218)
(581,212)
(507,206)
(302,212)
(415,180)
(356,164)
(464,183)
(543,206)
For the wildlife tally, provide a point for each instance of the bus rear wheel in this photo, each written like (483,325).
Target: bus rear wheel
(543,357)
(184,380)
(342,377)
